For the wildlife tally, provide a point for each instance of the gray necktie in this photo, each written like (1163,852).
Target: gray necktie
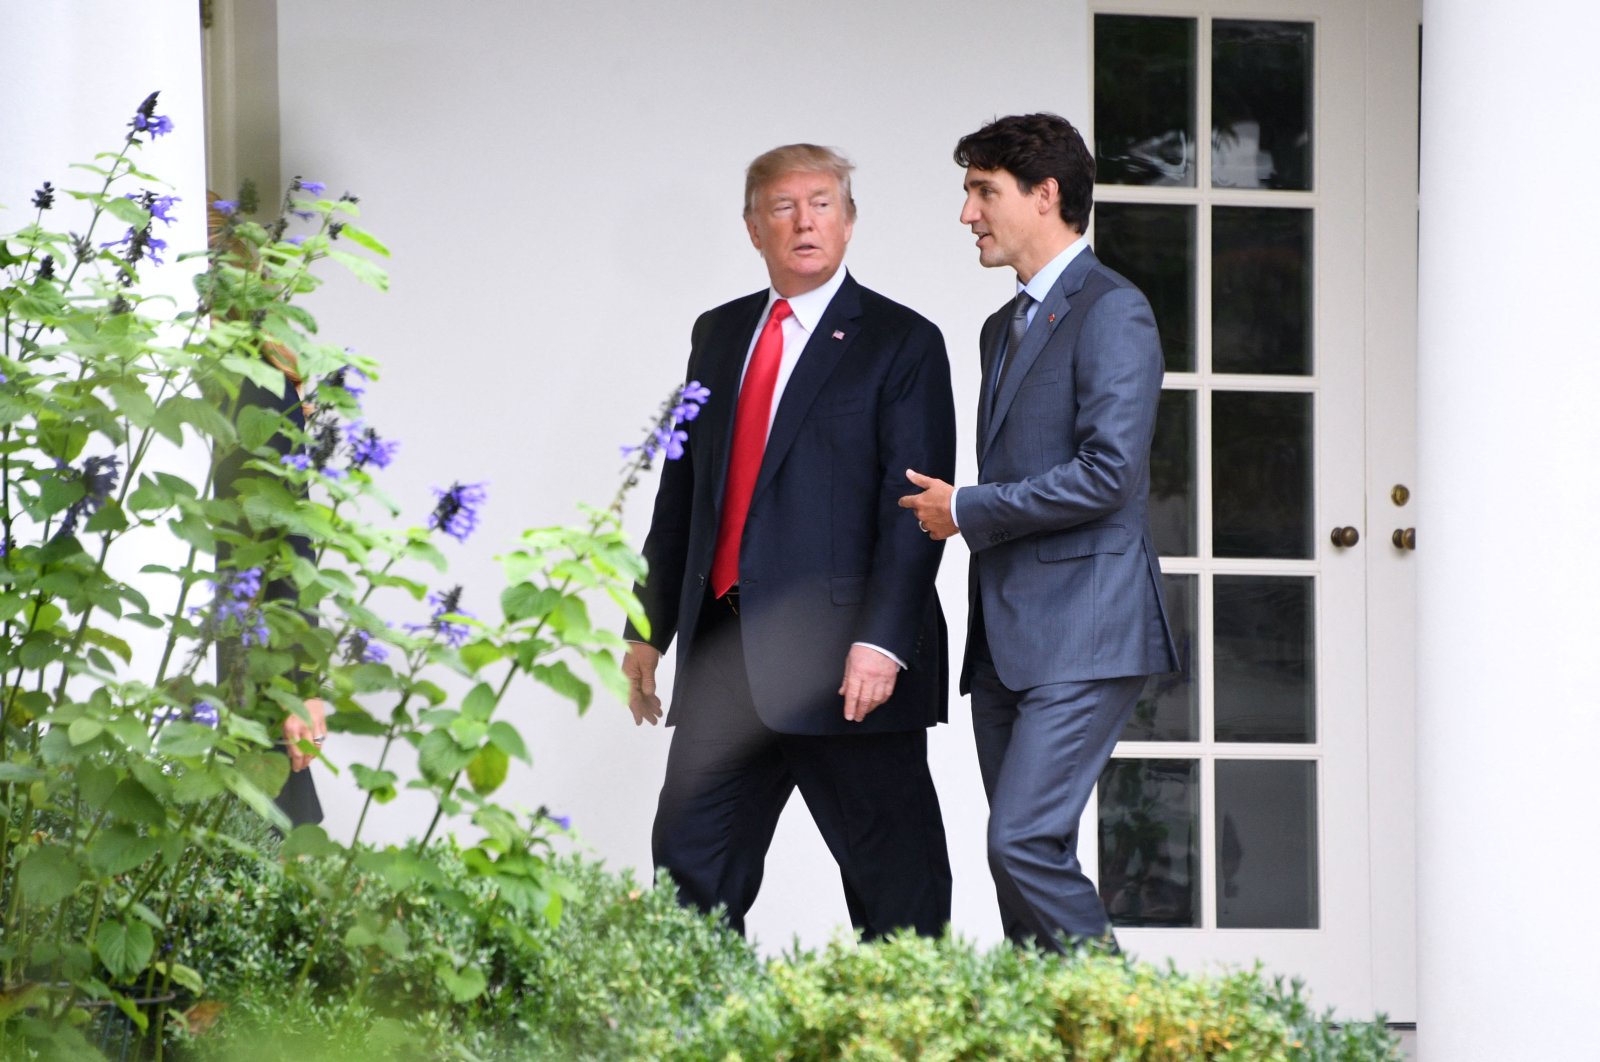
(1019,328)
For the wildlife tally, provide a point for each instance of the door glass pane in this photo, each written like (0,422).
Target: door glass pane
(1144,100)
(1149,842)
(1260,104)
(1261,290)
(1153,246)
(1263,653)
(1261,471)
(1172,476)
(1266,844)
(1169,706)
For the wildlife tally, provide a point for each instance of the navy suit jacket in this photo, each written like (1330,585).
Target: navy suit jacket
(828,557)
(1063,563)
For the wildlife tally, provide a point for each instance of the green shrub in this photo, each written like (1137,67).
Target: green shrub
(626,973)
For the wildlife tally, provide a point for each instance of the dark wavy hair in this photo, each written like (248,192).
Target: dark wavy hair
(1032,147)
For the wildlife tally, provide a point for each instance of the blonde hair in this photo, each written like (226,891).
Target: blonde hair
(797,158)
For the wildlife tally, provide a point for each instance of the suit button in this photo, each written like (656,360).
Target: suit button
(702,579)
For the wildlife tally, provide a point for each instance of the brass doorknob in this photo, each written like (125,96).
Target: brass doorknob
(1345,537)
(1404,538)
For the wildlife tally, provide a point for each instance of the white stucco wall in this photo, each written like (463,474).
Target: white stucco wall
(561,186)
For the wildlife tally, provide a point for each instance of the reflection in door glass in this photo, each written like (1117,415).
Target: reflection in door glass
(1263,654)
(1144,94)
(1266,844)
(1261,104)
(1172,476)
(1261,471)
(1149,842)
(1261,290)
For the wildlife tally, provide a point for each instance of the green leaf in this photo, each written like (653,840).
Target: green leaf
(311,841)
(127,210)
(197,785)
(464,985)
(132,802)
(186,976)
(182,738)
(440,757)
(487,771)
(526,601)
(508,740)
(379,783)
(19,772)
(47,876)
(369,273)
(559,677)
(119,848)
(257,425)
(125,948)
(479,704)
(267,771)
(365,239)
(82,731)
(480,654)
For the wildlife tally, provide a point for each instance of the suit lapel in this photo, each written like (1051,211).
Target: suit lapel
(1053,310)
(834,334)
(989,351)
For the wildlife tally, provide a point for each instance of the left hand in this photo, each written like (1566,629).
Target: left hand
(868,681)
(932,506)
(296,730)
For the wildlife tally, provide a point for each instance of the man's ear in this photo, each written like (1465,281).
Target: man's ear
(1048,195)
(755,237)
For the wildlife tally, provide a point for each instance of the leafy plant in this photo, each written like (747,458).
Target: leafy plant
(117,773)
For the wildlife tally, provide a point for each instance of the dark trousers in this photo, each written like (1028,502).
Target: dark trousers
(1041,752)
(729,776)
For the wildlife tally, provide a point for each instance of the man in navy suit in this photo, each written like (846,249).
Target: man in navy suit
(1066,615)
(811,646)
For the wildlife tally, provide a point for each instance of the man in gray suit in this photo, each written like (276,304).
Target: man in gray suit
(1066,617)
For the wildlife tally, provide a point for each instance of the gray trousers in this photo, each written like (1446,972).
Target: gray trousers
(1041,752)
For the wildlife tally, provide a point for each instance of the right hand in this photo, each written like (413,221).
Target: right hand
(640,668)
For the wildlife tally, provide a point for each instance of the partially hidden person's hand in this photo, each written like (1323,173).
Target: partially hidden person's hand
(932,506)
(868,681)
(640,668)
(314,730)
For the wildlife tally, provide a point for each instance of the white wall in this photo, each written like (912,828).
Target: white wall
(1508,375)
(561,185)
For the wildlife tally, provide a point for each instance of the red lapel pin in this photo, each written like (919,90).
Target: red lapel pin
(840,335)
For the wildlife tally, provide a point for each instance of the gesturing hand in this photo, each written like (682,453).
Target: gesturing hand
(932,506)
(314,730)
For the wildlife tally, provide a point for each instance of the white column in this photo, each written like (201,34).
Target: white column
(1509,532)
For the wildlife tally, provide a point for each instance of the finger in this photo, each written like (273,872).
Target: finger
(919,479)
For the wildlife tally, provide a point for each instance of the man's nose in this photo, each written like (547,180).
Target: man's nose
(803,217)
(969,212)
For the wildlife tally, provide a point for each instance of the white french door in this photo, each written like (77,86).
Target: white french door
(1236,822)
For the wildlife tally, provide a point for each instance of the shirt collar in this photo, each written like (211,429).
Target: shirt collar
(1046,278)
(809,308)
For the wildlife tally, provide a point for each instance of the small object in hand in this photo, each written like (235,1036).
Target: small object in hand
(319,740)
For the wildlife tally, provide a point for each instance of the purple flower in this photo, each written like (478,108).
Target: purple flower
(225,207)
(245,585)
(564,821)
(446,604)
(694,392)
(367,448)
(310,187)
(300,462)
(671,441)
(160,206)
(304,215)
(99,479)
(45,197)
(296,240)
(146,120)
(457,510)
(256,632)
(205,713)
(360,647)
(140,243)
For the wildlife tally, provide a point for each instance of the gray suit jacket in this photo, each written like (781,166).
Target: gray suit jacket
(1063,565)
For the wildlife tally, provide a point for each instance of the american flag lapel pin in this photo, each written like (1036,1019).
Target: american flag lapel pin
(1052,319)
(838,334)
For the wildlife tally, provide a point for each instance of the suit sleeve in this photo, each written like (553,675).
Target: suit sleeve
(1117,379)
(916,429)
(666,546)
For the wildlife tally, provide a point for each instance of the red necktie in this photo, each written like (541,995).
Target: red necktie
(749,441)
